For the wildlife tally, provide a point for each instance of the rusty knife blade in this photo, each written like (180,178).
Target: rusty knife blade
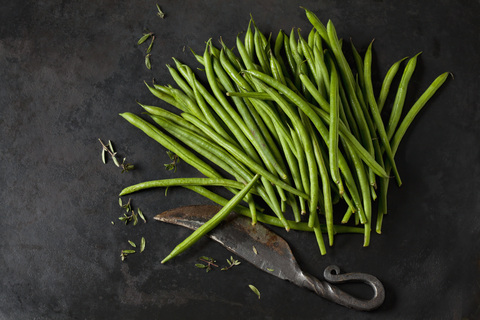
(272,254)
(254,243)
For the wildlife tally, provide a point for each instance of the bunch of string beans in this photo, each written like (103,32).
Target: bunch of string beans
(290,123)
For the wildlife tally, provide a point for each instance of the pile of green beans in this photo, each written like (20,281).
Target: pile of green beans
(292,120)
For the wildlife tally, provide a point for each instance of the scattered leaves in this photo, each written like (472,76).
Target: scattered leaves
(175,160)
(210,262)
(140,213)
(255,290)
(125,253)
(160,12)
(231,263)
(144,38)
(147,62)
(149,49)
(125,167)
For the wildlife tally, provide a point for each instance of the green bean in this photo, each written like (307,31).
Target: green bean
(260,50)
(313,172)
(251,95)
(252,131)
(315,93)
(288,53)
(213,222)
(308,54)
(170,116)
(302,162)
(376,113)
(180,182)
(416,108)
(240,155)
(180,82)
(312,114)
(317,24)
(387,83)
(324,133)
(350,87)
(360,67)
(171,144)
(318,235)
(294,171)
(327,195)
(371,128)
(400,97)
(189,103)
(322,71)
(206,148)
(270,161)
(333,131)
(249,42)
(276,69)
(225,111)
(218,199)
(419,104)
(279,45)
(167,98)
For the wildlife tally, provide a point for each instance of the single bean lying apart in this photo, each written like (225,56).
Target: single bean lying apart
(288,124)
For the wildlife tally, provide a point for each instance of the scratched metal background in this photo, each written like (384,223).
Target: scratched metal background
(69,67)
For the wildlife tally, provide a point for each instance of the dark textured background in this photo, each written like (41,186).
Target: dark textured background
(67,68)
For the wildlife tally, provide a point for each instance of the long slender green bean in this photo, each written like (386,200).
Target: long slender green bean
(401,95)
(333,131)
(213,222)
(387,82)
(181,182)
(376,113)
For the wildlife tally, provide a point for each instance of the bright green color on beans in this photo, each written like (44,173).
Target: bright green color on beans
(333,131)
(213,222)
(400,97)
(376,113)
(181,182)
(294,115)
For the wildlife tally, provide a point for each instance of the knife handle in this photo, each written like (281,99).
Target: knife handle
(332,275)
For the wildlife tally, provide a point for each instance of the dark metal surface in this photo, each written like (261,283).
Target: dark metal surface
(68,68)
(272,254)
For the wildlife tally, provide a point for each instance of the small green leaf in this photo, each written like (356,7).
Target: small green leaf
(120,202)
(104,154)
(112,222)
(269,269)
(142,244)
(254,250)
(207,259)
(115,160)
(147,62)
(144,38)
(149,49)
(140,213)
(132,243)
(135,219)
(110,145)
(171,155)
(255,290)
(200,266)
(128,251)
(160,12)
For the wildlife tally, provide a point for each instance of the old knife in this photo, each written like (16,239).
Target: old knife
(273,255)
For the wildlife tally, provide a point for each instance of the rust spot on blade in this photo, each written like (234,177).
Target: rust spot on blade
(200,213)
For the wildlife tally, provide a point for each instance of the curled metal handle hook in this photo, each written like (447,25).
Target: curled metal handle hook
(332,275)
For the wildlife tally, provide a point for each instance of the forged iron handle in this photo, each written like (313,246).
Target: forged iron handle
(332,275)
